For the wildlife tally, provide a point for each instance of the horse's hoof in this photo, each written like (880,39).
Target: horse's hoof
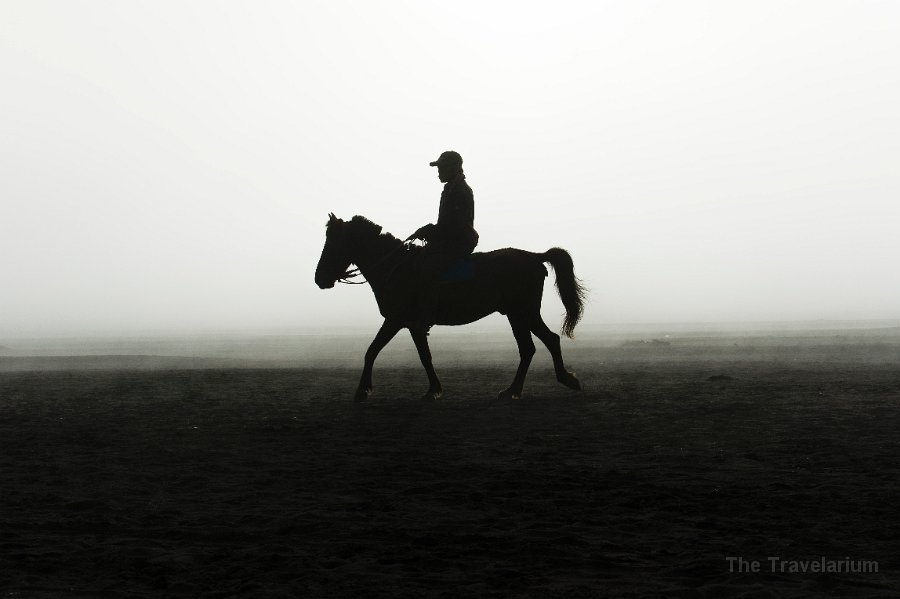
(509,394)
(570,380)
(432,395)
(362,394)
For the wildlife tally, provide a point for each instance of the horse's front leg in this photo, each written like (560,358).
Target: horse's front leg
(420,338)
(385,334)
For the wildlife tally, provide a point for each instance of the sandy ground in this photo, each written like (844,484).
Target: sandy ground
(272,483)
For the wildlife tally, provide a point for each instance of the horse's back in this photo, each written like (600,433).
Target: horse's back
(504,267)
(509,260)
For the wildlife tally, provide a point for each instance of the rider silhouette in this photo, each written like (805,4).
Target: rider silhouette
(452,237)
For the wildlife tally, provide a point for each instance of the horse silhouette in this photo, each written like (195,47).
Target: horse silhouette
(509,281)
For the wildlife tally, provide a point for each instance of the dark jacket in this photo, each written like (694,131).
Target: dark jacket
(455,230)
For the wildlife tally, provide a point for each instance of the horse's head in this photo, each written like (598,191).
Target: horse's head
(336,258)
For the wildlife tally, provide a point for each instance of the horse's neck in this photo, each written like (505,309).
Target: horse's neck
(376,258)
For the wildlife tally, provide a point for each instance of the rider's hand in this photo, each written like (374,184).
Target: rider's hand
(421,233)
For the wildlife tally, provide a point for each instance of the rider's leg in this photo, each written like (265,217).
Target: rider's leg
(434,262)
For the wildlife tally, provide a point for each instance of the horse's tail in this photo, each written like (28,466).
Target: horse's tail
(570,289)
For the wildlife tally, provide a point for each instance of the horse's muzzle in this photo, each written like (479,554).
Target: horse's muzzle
(323,280)
(325,284)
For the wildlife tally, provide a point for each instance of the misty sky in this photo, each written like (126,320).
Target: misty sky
(168,166)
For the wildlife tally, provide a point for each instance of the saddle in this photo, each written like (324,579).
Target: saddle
(459,271)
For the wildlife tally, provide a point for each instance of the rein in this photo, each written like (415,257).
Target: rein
(349,275)
(355,272)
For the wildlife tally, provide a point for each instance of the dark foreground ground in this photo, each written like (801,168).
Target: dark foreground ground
(271,483)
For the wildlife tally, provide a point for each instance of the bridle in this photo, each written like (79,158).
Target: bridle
(345,279)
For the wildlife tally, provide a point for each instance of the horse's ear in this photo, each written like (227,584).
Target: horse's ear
(331,217)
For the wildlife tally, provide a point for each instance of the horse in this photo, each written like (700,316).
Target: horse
(509,281)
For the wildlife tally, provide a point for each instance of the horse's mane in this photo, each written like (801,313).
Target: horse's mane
(373,232)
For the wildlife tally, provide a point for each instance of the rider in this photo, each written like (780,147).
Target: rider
(452,237)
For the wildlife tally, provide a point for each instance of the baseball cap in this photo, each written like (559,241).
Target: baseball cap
(448,158)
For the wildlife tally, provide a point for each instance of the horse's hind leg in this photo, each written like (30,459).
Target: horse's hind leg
(526,352)
(385,334)
(551,340)
(420,338)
